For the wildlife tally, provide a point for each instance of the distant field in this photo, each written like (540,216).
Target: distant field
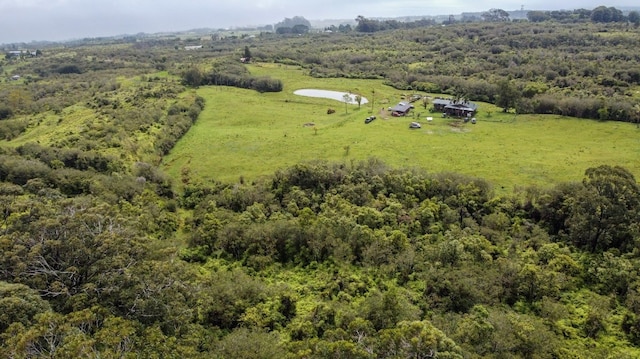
(242,133)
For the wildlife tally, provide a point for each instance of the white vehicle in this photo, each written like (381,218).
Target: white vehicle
(414,125)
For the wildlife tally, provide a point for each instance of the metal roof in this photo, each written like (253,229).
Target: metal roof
(401,107)
(466,105)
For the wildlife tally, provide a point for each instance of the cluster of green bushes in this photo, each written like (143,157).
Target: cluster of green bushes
(70,158)
(179,119)
(323,260)
(12,128)
(230,74)
(37,176)
(5,113)
(458,258)
(260,84)
(373,25)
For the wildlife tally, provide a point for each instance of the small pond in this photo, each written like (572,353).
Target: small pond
(334,95)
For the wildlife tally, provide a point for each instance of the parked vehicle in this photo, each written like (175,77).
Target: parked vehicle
(414,125)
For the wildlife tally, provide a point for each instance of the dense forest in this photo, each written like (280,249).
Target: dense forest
(103,255)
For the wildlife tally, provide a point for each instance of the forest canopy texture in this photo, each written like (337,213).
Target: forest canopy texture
(104,255)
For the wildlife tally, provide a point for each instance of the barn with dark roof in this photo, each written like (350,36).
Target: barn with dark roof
(401,109)
(453,108)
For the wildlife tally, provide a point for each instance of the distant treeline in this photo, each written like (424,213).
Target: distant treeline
(228,73)
(372,25)
(600,14)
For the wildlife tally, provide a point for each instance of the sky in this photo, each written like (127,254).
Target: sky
(58,20)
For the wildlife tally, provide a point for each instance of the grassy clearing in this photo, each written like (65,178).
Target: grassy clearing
(242,133)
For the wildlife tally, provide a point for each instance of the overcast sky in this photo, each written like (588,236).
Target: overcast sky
(29,20)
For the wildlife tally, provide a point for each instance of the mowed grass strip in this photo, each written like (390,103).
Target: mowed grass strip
(245,134)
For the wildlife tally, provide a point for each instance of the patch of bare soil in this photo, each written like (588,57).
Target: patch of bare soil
(458,126)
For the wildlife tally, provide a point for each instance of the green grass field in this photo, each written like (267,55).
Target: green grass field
(242,133)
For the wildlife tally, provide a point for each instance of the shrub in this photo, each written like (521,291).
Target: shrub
(69,69)
(5,112)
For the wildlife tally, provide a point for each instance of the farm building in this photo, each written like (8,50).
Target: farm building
(401,109)
(453,108)
(22,53)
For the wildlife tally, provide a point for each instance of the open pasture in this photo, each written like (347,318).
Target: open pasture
(245,134)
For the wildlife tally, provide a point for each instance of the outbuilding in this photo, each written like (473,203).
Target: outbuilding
(455,108)
(401,109)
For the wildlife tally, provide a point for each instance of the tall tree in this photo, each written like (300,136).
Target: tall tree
(605,212)
(496,15)
(347,100)
(373,98)
(291,22)
(508,95)
(300,29)
(606,14)
(634,18)
(358,100)
(367,25)
(192,77)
